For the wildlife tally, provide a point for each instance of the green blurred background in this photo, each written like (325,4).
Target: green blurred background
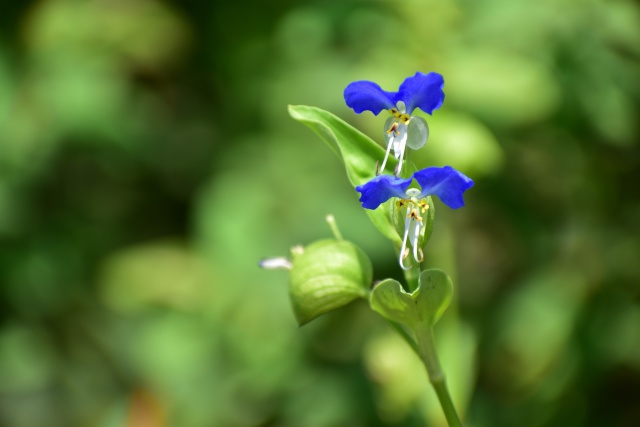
(147,162)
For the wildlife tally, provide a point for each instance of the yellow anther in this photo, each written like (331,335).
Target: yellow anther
(404,117)
(394,128)
(414,214)
(397,114)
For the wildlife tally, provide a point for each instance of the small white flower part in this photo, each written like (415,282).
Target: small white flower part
(402,130)
(414,225)
(278,263)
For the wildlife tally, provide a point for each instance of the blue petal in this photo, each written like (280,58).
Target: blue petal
(446,183)
(423,91)
(368,96)
(382,188)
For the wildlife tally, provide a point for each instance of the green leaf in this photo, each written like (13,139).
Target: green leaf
(358,152)
(390,300)
(435,292)
(416,310)
(326,275)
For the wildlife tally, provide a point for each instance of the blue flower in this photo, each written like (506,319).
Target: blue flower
(446,183)
(422,91)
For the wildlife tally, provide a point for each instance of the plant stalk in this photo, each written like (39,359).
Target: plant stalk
(428,355)
(331,220)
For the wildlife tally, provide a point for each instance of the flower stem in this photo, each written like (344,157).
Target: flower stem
(331,220)
(412,277)
(407,337)
(428,355)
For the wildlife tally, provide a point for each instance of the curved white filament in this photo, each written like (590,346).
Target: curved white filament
(413,238)
(407,223)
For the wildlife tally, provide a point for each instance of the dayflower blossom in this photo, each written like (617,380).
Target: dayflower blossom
(446,183)
(422,91)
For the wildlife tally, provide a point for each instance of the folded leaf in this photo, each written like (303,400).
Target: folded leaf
(358,152)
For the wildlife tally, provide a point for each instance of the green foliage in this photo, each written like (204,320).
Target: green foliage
(147,162)
(327,275)
(420,309)
(358,152)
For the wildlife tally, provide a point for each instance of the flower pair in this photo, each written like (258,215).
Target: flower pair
(422,91)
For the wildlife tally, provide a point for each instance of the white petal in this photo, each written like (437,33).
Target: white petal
(418,132)
(399,149)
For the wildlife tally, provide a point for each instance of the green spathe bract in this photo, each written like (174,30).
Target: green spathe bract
(327,275)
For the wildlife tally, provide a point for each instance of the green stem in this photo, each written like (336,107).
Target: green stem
(408,338)
(412,277)
(427,352)
(333,226)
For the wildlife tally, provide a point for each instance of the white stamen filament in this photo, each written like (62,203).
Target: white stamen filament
(413,238)
(396,128)
(413,227)
(403,255)
(386,156)
(400,148)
